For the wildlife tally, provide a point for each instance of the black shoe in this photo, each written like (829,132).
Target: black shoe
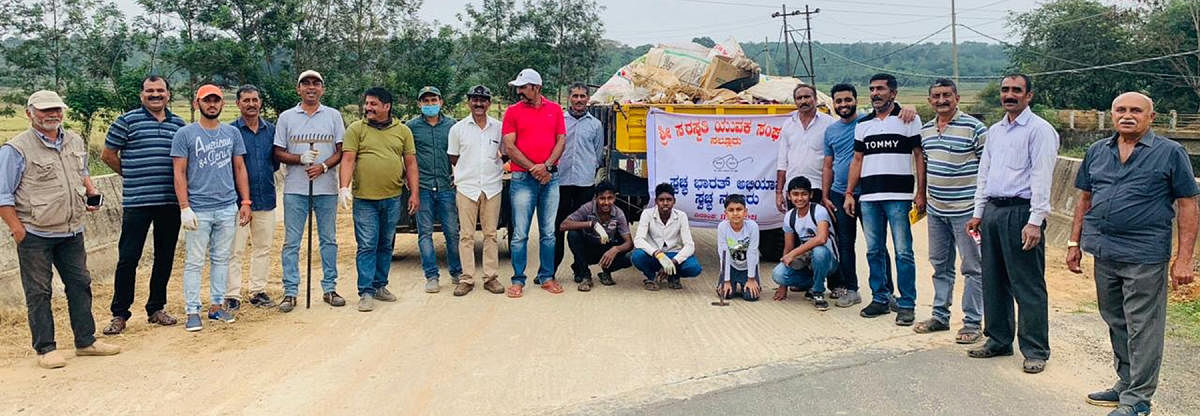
(261,300)
(893,306)
(795,288)
(673,283)
(288,303)
(819,302)
(905,317)
(233,304)
(875,309)
(606,279)
(987,351)
(1140,409)
(1106,398)
(807,295)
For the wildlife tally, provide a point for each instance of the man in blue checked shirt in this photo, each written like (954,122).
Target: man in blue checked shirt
(580,159)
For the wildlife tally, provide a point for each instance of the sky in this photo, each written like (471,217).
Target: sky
(637,22)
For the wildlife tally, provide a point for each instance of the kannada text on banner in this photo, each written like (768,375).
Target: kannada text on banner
(708,157)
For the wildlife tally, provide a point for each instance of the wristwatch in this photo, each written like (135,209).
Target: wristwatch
(1071,244)
(325,167)
(552,168)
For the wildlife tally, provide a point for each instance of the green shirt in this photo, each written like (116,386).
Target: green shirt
(432,161)
(379,168)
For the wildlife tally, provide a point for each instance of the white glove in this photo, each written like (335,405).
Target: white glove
(345,197)
(601,231)
(668,266)
(307,158)
(187,219)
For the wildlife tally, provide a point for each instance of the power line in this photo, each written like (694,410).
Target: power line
(1072,62)
(1060,71)
(943,29)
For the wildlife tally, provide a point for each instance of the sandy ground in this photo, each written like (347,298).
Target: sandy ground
(617,347)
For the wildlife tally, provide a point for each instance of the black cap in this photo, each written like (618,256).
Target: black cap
(479,91)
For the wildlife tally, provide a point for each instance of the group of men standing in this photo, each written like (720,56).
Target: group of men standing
(987,195)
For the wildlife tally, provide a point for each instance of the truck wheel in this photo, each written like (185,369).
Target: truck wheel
(770,245)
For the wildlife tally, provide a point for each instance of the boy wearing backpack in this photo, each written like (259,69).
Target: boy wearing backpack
(809,250)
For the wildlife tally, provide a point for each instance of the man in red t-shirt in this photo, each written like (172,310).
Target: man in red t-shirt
(534,136)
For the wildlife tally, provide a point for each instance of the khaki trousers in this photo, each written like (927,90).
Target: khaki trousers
(261,233)
(487,212)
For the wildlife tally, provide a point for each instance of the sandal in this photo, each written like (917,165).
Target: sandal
(515,291)
(650,285)
(968,336)
(930,325)
(585,285)
(552,286)
(1034,365)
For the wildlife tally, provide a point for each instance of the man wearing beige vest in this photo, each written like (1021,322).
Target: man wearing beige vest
(44,193)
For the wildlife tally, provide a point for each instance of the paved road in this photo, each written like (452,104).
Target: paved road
(616,350)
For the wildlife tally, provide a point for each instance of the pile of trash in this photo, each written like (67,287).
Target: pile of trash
(692,73)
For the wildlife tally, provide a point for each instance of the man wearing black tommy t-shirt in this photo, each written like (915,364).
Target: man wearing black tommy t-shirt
(884,151)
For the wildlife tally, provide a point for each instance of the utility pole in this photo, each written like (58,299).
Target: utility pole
(767,51)
(787,33)
(953,40)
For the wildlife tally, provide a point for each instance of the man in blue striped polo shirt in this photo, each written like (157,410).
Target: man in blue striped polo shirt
(952,144)
(138,147)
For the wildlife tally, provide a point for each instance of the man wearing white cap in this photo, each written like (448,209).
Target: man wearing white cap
(308,139)
(534,134)
(44,191)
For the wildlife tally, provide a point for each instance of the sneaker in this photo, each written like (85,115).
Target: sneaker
(875,309)
(893,306)
(366,303)
(384,295)
(673,283)
(193,323)
(1140,409)
(819,302)
(905,317)
(98,349)
(1106,398)
(432,286)
(334,299)
(606,279)
(261,300)
(52,360)
(808,296)
(233,304)
(848,298)
(218,313)
(288,303)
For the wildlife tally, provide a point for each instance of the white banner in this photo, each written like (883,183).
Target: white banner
(708,157)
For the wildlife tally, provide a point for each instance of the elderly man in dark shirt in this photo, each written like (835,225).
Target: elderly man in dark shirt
(1132,184)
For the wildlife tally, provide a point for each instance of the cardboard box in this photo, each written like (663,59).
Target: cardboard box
(720,71)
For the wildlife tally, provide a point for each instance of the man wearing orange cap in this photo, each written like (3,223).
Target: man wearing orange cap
(43,190)
(210,175)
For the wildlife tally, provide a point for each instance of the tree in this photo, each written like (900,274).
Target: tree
(1171,27)
(1050,40)
(573,30)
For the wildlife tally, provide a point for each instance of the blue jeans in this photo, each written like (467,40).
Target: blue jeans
(877,216)
(441,204)
(649,265)
(295,218)
(212,239)
(375,232)
(945,235)
(738,279)
(812,278)
(526,194)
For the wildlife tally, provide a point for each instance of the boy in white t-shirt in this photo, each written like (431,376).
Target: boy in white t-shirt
(737,247)
(809,252)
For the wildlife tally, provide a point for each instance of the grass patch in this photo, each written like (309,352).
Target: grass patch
(1184,319)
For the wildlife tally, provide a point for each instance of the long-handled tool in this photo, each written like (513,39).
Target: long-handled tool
(720,279)
(309,217)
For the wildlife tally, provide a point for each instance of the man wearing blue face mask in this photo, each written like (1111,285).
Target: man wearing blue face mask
(431,133)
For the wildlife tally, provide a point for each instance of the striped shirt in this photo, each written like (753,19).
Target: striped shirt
(887,164)
(952,163)
(145,147)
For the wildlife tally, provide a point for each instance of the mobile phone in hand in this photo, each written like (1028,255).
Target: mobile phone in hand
(95,200)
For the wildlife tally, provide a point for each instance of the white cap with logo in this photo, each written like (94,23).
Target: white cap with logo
(45,99)
(526,77)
